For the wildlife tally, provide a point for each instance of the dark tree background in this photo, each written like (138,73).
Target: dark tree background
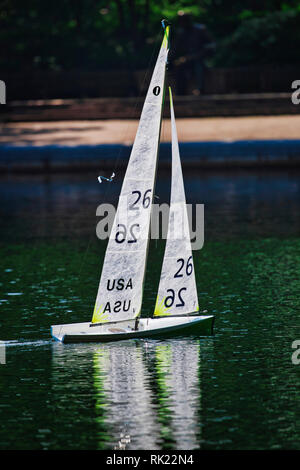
(98,35)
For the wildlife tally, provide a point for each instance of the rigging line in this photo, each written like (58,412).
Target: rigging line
(141,90)
(149,68)
(133,110)
(116,162)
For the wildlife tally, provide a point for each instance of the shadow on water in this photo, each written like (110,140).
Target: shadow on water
(245,203)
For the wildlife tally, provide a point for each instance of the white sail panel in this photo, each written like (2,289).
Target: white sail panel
(121,285)
(177,291)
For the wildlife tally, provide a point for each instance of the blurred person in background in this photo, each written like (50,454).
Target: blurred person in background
(191,46)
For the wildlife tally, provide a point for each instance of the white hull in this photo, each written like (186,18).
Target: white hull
(147,328)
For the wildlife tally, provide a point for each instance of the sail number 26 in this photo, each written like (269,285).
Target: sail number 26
(188,268)
(170,299)
(143,200)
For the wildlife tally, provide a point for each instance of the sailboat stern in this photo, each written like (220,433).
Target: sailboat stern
(58,332)
(87,331)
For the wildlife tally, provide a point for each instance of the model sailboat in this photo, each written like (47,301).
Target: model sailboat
(119,300)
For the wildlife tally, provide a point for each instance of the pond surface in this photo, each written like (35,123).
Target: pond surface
(237,389)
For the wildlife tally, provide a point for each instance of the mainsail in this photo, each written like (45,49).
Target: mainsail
(177,292)
(121,285)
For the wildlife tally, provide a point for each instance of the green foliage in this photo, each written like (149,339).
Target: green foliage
(263,38)
(98,34)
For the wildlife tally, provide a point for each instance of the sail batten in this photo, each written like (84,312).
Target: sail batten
(120,289)
(177,291)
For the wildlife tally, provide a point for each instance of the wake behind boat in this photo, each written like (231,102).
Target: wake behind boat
(119,300)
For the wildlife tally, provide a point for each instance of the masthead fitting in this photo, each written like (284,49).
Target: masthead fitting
(165,23)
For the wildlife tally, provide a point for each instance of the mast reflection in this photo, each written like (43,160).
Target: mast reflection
(154,393)
(136,395)
(119,371)
(177,365)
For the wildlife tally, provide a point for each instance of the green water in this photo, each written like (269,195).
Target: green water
(237,389)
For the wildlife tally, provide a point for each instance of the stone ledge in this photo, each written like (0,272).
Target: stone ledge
(130,108)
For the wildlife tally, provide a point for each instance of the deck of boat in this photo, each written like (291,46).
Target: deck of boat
(147,328)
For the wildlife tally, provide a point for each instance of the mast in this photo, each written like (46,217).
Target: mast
(121,284)
(177,291)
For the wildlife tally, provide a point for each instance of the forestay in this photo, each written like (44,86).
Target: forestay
(121,285)
(177,292)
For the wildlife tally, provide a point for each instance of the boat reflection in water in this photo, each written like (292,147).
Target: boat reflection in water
(121,377)
(145,394)
(178,392)
(153,393)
